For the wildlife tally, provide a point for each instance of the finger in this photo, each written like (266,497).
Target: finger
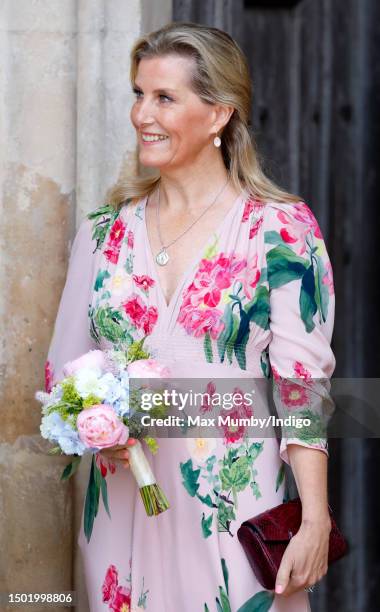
(283,575)
(105,452)
(122,455)
(296,583)
(111,450)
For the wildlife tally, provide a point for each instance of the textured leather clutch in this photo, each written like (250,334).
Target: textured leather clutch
(265,537)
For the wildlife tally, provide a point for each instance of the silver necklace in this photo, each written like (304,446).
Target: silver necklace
(162,256)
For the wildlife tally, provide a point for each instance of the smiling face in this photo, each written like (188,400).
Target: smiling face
(174,126)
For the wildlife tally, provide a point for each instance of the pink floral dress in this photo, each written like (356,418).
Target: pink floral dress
(257,300)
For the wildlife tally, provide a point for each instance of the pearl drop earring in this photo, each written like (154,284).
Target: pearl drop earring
(217,141)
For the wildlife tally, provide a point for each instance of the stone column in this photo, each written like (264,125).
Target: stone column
(65,134)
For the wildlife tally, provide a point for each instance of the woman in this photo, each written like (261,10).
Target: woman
(177,256)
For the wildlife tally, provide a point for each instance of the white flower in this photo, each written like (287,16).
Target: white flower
(88,382)
(106,384)
(201,448)
(42,397)
(120,282)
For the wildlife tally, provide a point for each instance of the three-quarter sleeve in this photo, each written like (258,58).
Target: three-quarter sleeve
(302,310)
(71,335)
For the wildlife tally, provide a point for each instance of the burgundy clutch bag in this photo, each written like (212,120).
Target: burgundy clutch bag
(265,537)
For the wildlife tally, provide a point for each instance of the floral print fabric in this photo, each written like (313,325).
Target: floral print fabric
(258,302)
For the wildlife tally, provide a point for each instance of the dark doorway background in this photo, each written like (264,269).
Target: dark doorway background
(316,83)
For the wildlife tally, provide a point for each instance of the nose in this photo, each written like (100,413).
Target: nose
(143,112)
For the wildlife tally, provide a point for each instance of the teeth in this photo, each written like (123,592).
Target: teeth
(149,138)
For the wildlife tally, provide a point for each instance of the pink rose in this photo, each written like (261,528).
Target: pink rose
(135,308)
(148,368)
(99,427)
(117,233)
(251,204)
(110,583)
(199,321)
(143,281)
(121,600)
(300,371)
(292,395)
(296,233)
(241,411)
(149,319)
(112,254)
(92,359)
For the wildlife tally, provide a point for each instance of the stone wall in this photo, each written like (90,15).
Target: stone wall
(65,135)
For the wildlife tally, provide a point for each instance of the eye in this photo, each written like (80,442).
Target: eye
(166,97)
(137,92)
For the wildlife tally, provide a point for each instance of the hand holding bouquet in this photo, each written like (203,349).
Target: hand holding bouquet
(93,410)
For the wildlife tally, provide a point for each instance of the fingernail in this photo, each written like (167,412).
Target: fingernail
(279,588)
(131,441)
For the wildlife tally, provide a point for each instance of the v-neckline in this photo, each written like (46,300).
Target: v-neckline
(242,197)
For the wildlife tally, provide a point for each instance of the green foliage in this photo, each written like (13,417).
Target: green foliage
(321,290)
(273,237)
(226,514)
(207,345)
(96,484)
(70,404)
(56,450)
(71,468)
(103,218)
(312,433)
(206,499)
(206,524)
(70,395)
(151,444)
(101,276)
(225,573)
(280,476)
(136,351)
(111,324)
(91,502)
(308,305)
(211,251)
(227,337)
(260,602)
(91,400)
(284,266)
(237,476)
(190,477)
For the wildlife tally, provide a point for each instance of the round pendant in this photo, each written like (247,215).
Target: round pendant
(162,257)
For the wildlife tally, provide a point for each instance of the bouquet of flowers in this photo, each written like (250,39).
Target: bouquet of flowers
(93,408)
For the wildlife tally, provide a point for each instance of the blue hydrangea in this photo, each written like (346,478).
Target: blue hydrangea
(121,408)
(55,429)
(118,394)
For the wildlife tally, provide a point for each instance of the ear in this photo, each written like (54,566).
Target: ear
(222,115)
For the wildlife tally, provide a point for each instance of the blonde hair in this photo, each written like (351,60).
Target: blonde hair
(221,75)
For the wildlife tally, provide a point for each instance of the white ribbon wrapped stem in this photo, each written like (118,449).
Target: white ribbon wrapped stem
(140,466)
